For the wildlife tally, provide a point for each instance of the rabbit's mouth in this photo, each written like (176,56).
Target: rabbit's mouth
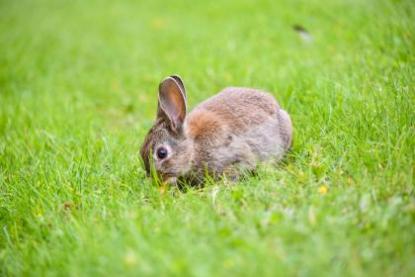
(165,176)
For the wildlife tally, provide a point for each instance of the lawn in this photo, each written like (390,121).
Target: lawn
(78,90)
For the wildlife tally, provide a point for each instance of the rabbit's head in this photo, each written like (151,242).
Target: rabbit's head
(165,150)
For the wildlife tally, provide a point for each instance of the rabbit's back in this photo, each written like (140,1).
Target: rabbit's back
(238,125)
(240,107)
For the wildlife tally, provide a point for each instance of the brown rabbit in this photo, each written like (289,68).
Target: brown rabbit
(224,135)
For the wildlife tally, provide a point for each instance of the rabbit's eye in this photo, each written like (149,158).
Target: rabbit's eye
(161,152)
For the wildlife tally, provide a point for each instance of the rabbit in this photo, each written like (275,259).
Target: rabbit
(223,136)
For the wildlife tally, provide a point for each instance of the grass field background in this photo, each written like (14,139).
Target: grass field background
(78,87)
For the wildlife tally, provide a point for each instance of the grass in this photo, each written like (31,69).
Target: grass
(78,83)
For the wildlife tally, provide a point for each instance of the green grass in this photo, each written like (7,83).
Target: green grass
(78,84)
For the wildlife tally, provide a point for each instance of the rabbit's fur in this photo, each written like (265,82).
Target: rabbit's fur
(224,135)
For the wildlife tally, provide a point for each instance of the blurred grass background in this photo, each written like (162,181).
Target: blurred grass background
(78,84)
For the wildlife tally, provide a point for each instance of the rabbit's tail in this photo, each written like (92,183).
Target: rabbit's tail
(286,128)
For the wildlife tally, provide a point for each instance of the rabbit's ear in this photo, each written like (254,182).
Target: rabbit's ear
(172,103)
(179,81)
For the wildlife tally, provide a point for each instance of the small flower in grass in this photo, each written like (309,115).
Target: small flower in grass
(163,188)
(323,189)
(158,23)
(130,258)
(228,263)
